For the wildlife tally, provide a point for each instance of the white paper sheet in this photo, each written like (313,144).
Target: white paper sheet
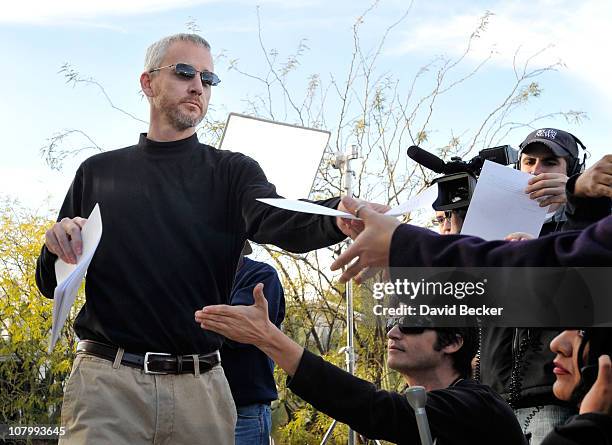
(500,206)
(422,200)
(70,276)
(304,207)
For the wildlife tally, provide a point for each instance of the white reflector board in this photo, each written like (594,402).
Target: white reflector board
(288,154)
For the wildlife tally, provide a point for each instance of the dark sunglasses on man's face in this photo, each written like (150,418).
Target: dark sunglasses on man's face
(185,71)
(406,330)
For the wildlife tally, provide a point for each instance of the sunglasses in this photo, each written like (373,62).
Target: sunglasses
(187,72)
(406,330)
(440,220)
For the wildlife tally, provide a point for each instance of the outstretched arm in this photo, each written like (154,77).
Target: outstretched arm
(251,325)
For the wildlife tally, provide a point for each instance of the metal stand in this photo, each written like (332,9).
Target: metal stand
(343,163)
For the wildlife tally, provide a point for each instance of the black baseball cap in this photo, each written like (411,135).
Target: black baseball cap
(560,142)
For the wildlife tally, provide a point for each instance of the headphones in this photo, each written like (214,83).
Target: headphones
(574,165)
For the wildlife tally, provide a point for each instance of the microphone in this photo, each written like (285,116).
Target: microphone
(417,398)
(426,159)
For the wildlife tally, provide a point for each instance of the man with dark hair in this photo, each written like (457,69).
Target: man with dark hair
(462,359)
(553,157)
(459,410)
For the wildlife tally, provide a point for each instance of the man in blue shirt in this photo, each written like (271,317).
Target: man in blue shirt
(249,371)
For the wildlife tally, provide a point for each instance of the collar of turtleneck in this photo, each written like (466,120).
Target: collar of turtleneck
(165,149)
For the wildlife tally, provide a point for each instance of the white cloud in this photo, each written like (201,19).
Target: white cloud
(78,11)
(44,11)
(578,32)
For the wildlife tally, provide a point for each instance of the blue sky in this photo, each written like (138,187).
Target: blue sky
(107,40)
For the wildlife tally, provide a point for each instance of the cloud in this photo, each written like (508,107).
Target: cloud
(42,12)
(48,12)
(573,32)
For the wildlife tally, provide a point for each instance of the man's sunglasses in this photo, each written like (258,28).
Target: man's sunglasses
(440,220)
(185,71)
(406,330)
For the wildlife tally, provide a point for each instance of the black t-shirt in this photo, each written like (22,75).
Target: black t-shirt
(175,216)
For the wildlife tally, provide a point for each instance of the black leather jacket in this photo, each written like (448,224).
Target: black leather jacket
(517,362)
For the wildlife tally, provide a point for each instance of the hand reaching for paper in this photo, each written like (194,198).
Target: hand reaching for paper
(251,325)
(64,239)
(371,246)
(352,227)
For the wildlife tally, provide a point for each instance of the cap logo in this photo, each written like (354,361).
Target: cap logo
(546,133)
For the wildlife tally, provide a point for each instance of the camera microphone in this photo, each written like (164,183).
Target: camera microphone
(417,398)
(426,159)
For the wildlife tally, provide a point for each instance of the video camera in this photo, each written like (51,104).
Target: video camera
(456,187)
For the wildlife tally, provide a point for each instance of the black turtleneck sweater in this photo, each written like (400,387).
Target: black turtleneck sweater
(175,217)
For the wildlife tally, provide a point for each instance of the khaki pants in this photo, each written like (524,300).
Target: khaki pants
(106,403)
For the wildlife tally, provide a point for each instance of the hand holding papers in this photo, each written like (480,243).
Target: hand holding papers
(500,206)
(70,276)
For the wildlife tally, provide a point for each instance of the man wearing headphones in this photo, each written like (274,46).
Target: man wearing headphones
(553,157)
(515,362)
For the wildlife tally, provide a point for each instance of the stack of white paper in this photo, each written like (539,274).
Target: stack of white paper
(70,276)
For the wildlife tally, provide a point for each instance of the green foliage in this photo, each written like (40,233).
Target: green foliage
(31,380)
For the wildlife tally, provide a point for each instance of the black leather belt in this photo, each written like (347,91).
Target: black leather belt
(152,362)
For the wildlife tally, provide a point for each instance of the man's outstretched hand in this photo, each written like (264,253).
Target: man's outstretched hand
(251,325)
(371,246)
(244,324)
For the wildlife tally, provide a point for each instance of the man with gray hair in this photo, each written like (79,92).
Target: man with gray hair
(176,215)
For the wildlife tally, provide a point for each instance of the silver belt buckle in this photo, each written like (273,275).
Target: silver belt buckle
(146,362)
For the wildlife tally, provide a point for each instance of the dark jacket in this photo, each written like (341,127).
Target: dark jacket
(464,413)
(585,429)
(518,362)
(413,246)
